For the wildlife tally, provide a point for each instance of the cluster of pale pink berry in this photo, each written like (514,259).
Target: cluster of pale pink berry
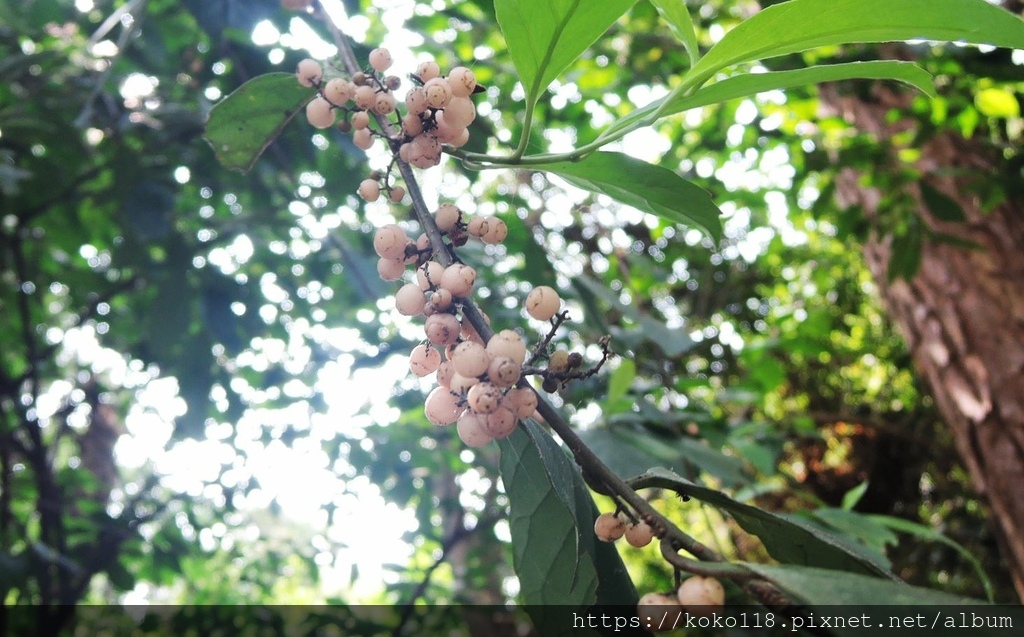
(438,110)
(697,595)
(479,385)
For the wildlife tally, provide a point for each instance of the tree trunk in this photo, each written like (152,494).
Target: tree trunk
(963,312)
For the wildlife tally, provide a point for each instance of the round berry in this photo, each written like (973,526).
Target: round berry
(362,139)
(416,101)
(389,241)
(424,360)
(309,72)
(412,125)
(390,269)
(558,362)
(525,400)
(501,423)
(446,217)
(441,299)
(471,430)
(609,527)
(365,97)
(542,303)
(503,371)
(319,113)
(470,359)
(339,91)
(442,407)
(701,596)
(445,372)
(442,329)
(484,398)
(369,190)
(496,233)
(653,608)
(459,112)
(385,104)
(458,279)
(360,120)
(463,81)
(439,92)
(428,70)
(429,274)
(460,384)
(380,59)
(395,196)
(639,534)
(508,344)
(409,299)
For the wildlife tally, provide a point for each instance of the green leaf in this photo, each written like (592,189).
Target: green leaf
(675,13)
(546,36)
(629,450)
(787,539)
(930,534)
(800,25)
(942,206)
(905,256)
(753,83)
(620,381)
(645,186)
(548,555)
(244,123)
(853,496)
(672,342)
(828,588)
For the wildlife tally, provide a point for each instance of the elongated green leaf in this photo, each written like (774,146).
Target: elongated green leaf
(754,83)
(828,588)
(650,188)
(672,342)
(853,496)
(799,25)
(244,123)
(629,450)
(675,13)
(546,36)
(620,381)
(550,560)
(930,534)
(787,539)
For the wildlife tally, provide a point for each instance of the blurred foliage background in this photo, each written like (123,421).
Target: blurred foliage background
(203,390)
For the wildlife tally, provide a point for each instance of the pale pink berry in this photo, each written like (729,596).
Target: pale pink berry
(446,217)
(484,398)
(384,104)
(543,303)
(701,596)
(442,329)
(496,233)
(525,401)
(389,241)
(339,91)
(396,195)
(409,299)
(441,299)
(458,279)
(462,80)
(639,534)
(362,138)
(442,407)
(508,344)
(390,269)
(471,430)
(380,59)
(416,101)
(319,113)
(501,423)
(460,112)
(439,92)
(424,360)
(428,70)
(429,275)
(504,372)
(470,359)
(609,527)
(462,384)
(365,97)
(412,125)
(369,190)
(309,72)
(445,373)
(360,120)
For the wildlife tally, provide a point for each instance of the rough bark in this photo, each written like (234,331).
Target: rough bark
(962,314)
